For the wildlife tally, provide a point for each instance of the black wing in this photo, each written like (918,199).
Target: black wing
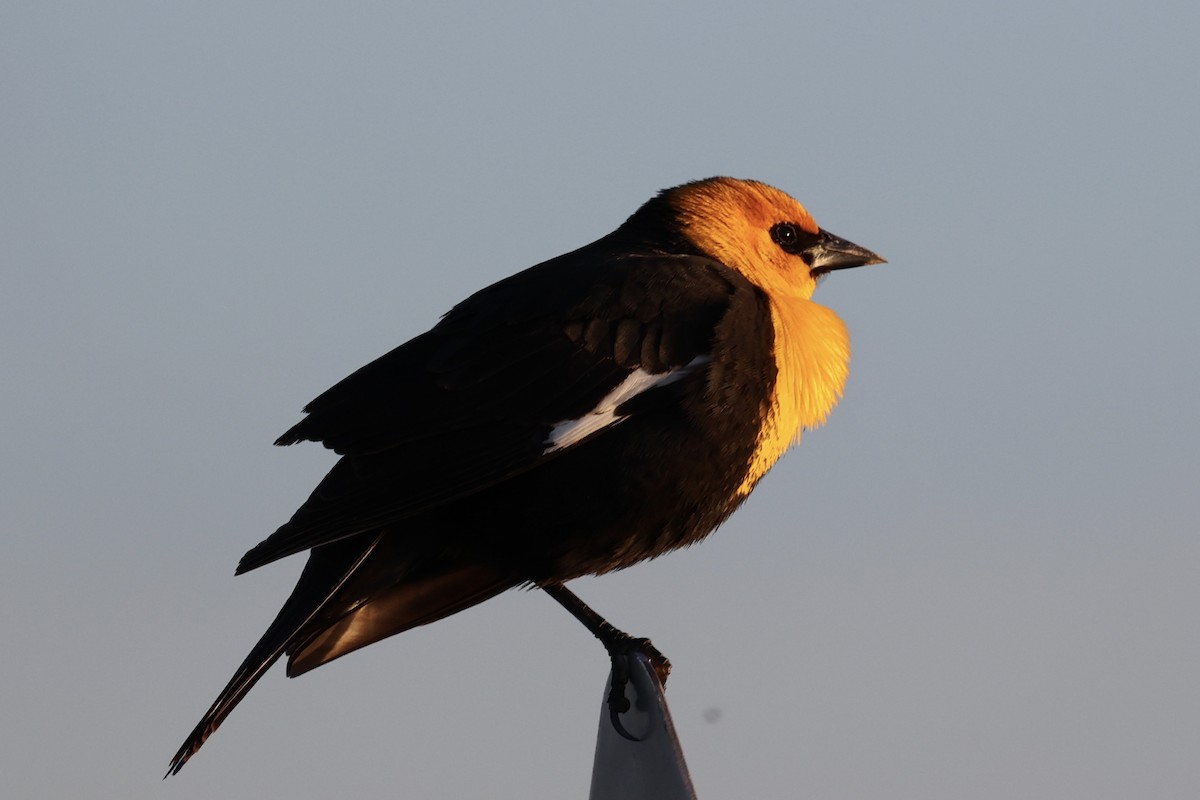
(475,400)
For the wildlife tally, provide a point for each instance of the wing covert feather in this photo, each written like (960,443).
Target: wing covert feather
(472,401)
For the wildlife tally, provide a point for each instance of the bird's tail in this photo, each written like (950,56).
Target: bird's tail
(418,600)
(318,585)
(349,596)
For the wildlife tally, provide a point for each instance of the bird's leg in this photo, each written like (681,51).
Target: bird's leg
(619,645)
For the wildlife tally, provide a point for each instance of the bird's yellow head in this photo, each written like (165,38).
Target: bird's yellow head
(773,241)
(763,233)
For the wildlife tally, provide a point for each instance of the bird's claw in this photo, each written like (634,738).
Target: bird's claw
(620,650)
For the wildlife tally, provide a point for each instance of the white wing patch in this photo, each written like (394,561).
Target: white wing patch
(572,431)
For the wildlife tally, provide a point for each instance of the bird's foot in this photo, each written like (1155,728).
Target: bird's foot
(621,647)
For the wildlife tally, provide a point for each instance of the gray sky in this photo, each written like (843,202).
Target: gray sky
(979,579)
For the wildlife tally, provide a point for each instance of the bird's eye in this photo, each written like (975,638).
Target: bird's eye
(791,237)
(784,234)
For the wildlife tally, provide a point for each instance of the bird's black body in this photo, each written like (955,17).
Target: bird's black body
(445,494)
(591,412)
(470,405)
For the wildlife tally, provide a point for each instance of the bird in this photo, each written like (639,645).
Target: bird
(591,412)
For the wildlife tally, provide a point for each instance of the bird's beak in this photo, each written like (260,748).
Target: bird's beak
(833,252)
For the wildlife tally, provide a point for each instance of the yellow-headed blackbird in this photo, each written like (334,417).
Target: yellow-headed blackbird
(593,411)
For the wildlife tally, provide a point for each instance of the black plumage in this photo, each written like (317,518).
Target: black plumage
(590,412)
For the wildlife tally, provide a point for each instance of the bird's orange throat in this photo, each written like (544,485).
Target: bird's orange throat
(812,356)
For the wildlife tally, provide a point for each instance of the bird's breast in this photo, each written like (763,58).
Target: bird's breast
(812,359)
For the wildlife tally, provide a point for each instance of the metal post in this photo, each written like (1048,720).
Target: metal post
(651,768)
